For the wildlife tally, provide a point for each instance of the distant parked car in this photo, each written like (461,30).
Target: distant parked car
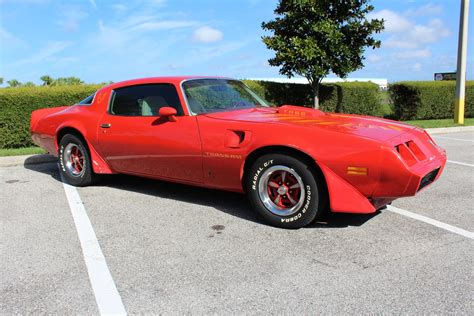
(292,162)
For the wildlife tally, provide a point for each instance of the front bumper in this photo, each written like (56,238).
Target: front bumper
(416,163)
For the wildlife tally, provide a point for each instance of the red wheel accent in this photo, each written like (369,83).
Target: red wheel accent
(75,159)
(283,189)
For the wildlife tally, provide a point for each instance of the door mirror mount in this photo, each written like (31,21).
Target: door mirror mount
(168,113)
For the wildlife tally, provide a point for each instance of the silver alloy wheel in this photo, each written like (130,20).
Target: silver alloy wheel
(281,190)
(74,160)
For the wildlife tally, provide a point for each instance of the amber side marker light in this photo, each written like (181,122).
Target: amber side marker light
(361,171)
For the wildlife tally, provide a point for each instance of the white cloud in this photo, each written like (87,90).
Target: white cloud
(25,1)
(207,34)
(416,67)
(412,54)
(163,25)
(394,22)
(119,7)
(407,34)
(93,3)
(10,42)
(158,2)
(71,18)
(374,58)
(44,53)
(136,29)
(5,35)
(427,9)
(430,33)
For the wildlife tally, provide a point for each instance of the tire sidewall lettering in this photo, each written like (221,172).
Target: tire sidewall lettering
(259,170)
(304,209)
(61,158)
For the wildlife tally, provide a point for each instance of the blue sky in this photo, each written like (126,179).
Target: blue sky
(103,40)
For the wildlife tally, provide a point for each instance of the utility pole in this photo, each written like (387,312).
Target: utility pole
(461,68)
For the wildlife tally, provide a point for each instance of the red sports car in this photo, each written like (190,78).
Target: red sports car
(292,162)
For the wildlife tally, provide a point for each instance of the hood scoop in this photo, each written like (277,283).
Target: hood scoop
(299,111)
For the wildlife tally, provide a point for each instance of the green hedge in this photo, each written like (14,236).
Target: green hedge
(423,100)
(16,105)
(347,97)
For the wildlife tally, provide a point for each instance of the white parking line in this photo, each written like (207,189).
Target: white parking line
(454,138)
(460,163)
(431,221)
(106,295)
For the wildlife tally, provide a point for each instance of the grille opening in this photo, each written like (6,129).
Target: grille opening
(428,179)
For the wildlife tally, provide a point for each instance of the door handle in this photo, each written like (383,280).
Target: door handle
(105,125)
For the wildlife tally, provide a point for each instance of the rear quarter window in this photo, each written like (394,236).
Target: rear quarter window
(88,100)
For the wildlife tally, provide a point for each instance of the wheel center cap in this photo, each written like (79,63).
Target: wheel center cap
(282,190)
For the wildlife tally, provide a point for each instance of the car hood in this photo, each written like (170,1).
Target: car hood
(364,126)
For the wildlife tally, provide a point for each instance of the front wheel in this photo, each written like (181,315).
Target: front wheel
(283,190)
(75,162)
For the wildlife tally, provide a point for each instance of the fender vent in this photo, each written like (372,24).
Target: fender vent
(234,139)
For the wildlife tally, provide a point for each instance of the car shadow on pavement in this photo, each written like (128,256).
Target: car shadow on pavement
(342,220)
(234,204)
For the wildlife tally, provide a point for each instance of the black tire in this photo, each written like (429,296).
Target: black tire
(299,215)
(79,179)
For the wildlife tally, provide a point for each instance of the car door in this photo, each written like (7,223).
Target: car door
(134,139)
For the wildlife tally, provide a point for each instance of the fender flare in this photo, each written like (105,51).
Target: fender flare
(343,197)
(99,165)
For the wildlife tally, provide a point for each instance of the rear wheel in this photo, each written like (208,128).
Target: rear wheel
(283,190)
(75,162)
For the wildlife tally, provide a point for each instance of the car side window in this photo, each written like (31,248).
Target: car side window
(88,100)
(144,100)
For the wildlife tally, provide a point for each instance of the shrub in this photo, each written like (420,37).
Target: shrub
(345,97)
(16,105)
(424,100)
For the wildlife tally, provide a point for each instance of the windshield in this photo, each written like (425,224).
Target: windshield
(212,95)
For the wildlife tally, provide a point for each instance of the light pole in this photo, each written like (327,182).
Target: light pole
(461,68)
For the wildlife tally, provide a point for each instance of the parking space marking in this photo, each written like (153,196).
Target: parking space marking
(460,163)
(106,294)
(454,138)
(431,221)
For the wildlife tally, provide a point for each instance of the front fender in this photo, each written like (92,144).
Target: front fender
(343,197)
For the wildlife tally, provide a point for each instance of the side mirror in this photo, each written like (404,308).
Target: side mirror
(168,112)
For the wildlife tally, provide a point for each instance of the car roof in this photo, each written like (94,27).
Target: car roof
(174,80)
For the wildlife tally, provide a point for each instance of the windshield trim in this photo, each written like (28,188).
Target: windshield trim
(191,113)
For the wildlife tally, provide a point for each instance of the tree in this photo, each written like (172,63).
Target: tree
(67,81)
(312,38)
(28,84)
(14,83)
(47,80)
(1,80)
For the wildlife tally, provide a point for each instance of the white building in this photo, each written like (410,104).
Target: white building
(381,82)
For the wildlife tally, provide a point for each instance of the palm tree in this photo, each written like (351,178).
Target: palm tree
(13,83)
(47,80)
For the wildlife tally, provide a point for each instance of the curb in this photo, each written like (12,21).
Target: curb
(448,130)
(11,161)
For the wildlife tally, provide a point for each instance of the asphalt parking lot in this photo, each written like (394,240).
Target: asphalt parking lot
(177,249)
